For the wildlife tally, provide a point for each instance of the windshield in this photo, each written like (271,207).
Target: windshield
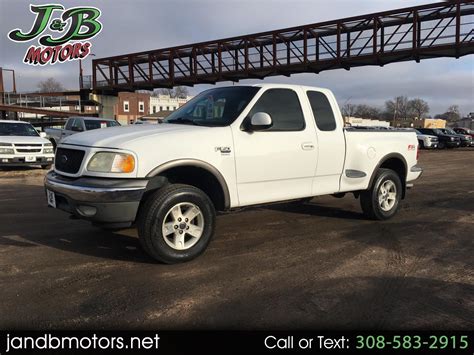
(418,132)
(215,107)
(17,129)
(95,124)
(448,131)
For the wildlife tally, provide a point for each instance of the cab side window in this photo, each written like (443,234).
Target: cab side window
(77,125)
(322,111)
(284,107)
(69,124)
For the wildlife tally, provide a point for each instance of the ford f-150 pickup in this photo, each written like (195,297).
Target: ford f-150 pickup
(227,148)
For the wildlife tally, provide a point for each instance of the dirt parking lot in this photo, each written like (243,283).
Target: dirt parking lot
(288,266)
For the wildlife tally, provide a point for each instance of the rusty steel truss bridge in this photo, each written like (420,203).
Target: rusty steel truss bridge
(442,29)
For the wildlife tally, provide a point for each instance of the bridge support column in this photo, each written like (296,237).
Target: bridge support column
(106,105)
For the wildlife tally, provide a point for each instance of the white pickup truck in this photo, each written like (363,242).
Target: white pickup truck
(227,148)
(77,124)
(21,144)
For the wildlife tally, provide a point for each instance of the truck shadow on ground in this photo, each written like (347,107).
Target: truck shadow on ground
(312,208)
(53,228)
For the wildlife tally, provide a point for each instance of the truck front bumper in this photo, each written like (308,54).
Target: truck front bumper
(112,202)
(13,160)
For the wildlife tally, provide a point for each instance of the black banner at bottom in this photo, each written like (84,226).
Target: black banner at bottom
(236,342)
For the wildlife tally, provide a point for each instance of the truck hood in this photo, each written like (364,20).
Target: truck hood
(120,137)
(426,136)
(23,139)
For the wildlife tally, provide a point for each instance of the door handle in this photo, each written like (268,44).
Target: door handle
(307,146)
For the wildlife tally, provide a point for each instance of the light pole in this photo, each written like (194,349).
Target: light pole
(81,76)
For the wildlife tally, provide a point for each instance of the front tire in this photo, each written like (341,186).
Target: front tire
(441,145)
(176,223)
(382,200)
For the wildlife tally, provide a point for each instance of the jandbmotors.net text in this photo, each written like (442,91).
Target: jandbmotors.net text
(53,342)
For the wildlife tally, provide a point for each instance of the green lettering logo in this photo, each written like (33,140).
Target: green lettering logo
(78,23)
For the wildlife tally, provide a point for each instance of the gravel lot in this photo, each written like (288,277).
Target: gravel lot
(288,266)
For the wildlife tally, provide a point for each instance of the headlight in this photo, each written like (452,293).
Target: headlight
(48,145)
(48,150)
(451,138)
(108,162)
(7,151)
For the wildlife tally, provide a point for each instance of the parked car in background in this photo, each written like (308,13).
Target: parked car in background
(21,144)
(426,141)
(463,130)
(78,124)
(228,148)
(466,140)
(444,140)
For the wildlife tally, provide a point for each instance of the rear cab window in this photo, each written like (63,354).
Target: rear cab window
(96,124)
(322,111)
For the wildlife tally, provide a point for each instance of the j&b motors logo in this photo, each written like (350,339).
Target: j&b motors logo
(62,34)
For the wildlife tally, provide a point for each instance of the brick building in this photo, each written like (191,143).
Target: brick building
(130,106)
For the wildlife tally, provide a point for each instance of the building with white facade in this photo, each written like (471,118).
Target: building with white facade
(166,103)
(356,121)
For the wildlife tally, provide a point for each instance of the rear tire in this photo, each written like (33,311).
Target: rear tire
(381,200)
(176,223)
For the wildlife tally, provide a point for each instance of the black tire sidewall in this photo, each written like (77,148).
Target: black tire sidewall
(384,175)
(158,212)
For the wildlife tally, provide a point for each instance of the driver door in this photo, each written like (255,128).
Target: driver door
(277,163)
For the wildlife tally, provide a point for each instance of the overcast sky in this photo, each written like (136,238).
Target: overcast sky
(138,25)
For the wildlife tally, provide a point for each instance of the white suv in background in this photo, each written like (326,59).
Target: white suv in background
(21,144)
(426,140)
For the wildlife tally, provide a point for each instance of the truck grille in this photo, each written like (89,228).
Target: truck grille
(28,145)
(68,160)
(28,150)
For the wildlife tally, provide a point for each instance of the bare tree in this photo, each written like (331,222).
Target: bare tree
(367,111)
(348,109)
(177,92)
(452,114)
(181,92)
(50,85)
(419,108)
(398,108)
(166,91)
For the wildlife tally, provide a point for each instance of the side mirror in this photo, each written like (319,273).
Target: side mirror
(260,121)
(42,134)
(76,129)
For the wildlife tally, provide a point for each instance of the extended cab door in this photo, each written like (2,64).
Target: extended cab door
(67,131)
(330,140)
(277,163)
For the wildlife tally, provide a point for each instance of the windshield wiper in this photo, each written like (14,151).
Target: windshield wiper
(182,120)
